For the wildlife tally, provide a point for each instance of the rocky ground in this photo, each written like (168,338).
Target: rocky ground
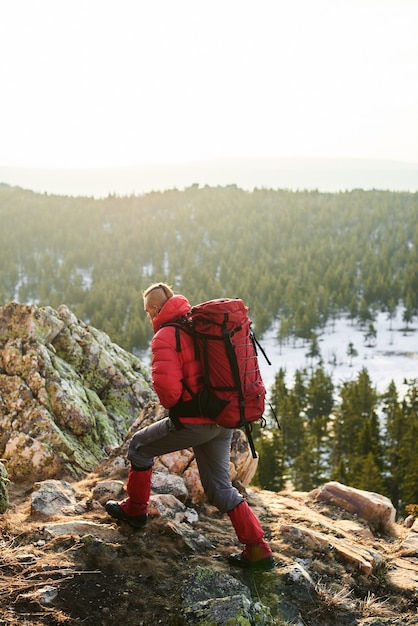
(97,573)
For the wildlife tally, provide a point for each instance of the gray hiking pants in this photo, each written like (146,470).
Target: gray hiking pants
(211,445)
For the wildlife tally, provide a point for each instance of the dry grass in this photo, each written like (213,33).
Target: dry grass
(371,606)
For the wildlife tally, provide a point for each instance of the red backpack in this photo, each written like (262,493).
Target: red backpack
(233,393)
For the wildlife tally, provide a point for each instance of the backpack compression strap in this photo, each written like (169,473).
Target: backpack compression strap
(233,362)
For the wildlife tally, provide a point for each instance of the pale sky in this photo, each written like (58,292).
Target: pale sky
(94,83)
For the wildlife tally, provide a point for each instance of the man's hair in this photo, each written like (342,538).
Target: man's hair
(166,290)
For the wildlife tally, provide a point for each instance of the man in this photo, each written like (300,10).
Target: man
(174,372)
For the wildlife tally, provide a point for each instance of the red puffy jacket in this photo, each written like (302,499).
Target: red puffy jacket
(170,367)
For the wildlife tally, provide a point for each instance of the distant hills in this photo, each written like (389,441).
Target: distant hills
(331,175)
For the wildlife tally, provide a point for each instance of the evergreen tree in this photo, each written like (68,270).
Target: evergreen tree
(270,469)
(365,314)
(369,476)
(306,471)
(314,351)
(396,425)
(408,449)
(295,424)
(351,352)
(409,310)
(370,336)
(319,404)
(355,430)
(339,472)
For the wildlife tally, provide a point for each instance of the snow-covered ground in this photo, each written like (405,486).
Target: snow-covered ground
(394,355)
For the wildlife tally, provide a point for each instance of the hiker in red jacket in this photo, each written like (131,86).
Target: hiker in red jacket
(211,443)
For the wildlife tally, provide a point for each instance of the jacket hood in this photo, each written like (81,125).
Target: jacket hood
(175,307)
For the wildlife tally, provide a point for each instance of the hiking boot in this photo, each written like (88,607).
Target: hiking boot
(115,510)
(265,565)
(257,552)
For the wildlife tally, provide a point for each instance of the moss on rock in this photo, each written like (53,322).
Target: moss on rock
(68,394)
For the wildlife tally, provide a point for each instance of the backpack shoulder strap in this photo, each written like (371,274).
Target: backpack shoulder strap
(184,324)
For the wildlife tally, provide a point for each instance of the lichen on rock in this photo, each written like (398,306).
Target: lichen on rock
(68,395)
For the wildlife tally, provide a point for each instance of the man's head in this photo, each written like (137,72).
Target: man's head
(155,297)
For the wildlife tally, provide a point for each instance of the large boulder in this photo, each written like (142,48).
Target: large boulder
(68,394)
(372,507)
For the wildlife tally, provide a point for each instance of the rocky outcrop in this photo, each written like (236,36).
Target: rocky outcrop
(67,393)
